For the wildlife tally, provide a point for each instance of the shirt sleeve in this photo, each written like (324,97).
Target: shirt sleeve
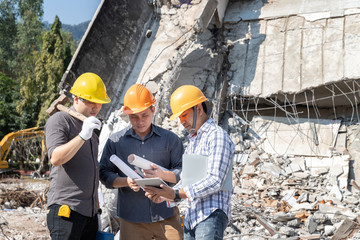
(108,170)
(219,160)
(56,132)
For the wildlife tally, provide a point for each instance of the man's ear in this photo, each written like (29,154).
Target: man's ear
(199,108)
(76,99)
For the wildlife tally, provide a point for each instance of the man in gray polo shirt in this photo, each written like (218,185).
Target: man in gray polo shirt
(140,218)
(73,149)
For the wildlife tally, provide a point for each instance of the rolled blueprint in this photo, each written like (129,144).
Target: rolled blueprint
(123,167)
(142,162)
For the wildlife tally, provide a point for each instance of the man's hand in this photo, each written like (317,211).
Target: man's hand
(132,184)
(155,198)
(158,195)
(64,153)
(88,126)
(154,172)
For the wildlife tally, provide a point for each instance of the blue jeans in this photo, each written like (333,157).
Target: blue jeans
(212,228)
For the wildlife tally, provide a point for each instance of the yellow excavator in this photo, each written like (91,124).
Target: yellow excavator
(8,140)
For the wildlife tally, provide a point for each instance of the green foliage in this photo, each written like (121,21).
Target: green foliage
(7,35)
(29,31)
(50,67)
(32,62)
(8,97)
(69,46)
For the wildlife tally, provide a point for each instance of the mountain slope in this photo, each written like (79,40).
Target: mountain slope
(77,30)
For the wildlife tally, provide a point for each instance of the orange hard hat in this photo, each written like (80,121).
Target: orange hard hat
(137,99)
(183,98)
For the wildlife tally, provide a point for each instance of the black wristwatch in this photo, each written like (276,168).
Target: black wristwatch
(177,196)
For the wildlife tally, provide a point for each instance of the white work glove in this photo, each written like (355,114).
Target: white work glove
(88,126)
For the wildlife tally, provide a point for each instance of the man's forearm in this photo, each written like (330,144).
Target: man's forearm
(182,194)
(62,154)
(169,176)
(120,182)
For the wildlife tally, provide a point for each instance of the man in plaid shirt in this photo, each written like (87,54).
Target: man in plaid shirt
(208,201)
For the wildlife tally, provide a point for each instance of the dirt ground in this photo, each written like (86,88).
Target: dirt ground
(18,221)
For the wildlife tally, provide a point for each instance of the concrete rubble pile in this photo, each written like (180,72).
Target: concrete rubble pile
(288,197)
(22,209)
(291,197)
(18,197)
(16,193)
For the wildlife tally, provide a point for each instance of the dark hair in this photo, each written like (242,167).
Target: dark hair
(203,104)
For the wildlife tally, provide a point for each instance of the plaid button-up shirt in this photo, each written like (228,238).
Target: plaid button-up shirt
(205,196)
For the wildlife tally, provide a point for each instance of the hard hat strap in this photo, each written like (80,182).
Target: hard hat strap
(193,130)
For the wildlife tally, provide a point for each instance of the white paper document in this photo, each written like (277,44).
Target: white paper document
(142,162)
(194,168)
(123,167)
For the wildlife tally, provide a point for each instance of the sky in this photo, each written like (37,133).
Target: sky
(70,11)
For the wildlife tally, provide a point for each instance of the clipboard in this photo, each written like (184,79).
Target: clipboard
(154,182)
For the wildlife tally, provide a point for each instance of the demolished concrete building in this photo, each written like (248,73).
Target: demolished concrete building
(282,77)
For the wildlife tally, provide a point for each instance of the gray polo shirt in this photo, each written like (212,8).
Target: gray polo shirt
(160,146)
(76,182)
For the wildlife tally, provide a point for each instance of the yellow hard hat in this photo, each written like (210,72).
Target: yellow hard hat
(89,86)
(183,98)
(137,99)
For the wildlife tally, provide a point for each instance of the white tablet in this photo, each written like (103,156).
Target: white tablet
(154,182)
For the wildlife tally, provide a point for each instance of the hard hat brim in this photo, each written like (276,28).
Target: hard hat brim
(128,111)
(172,117)
(101,101)
(189,105)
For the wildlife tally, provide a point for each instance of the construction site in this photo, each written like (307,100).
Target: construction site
(282,78)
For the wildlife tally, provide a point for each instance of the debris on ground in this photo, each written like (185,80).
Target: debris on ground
(22,209)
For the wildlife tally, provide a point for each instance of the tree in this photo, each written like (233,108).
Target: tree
(28,45)
(8,115)
(50,67)
(32,57)
(7,36)
(69,46)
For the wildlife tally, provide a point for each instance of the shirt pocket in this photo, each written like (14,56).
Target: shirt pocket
(161,156)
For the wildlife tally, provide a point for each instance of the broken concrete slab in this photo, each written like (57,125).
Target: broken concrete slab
(336,170)
(307,39)
(271,169)
(202,14)
(294,167)
(311,224)
(335,192)
(220,12)
(252,10)
(351,46)
(346,230)
(284,136)
(332,210)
